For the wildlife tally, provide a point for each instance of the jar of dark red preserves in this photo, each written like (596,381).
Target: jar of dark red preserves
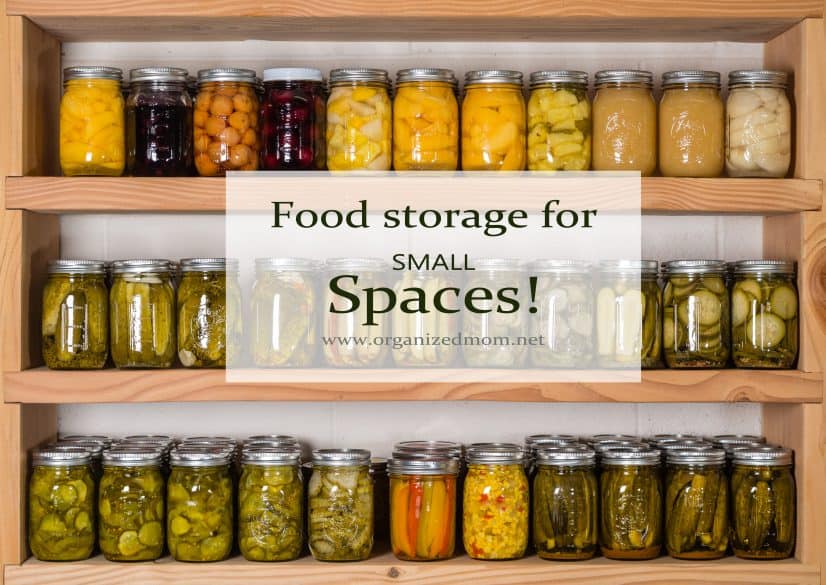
(293,120)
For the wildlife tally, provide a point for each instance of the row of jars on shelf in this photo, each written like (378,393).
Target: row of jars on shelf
(568,498)
(300,125)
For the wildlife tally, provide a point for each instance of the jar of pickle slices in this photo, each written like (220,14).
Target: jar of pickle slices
(559,121)
(493,121)
(629,314)
(75,327)
(95,449)
(359,120)
(91,122)
(764,314)
(696,330)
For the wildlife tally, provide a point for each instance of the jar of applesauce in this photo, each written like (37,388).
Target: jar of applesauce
(691,124)
(625,122)
(493,121)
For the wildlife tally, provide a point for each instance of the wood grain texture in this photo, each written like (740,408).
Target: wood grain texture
(41,91)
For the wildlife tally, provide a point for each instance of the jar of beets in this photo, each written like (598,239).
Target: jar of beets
(158,123)
(293,120)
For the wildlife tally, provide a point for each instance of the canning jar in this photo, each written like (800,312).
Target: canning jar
(730,443)
(142,314)
(565,520)
(425,121)
(494,274)
(341,505)
(225,122)
(359,120)
(696,330)
(284,312)
(629,314)
(91,122)
(691,125)
(565,312)
(208,293)
(764,314)
(131,505)
(61,505)
(381,499)
(625,122)
(758,124)
(199,504)
(158,123)
(631,499)
(764,500)
(95,449)
(271,504)
(696,511)
(75,329)
(534,443)
(559,121)
(496,501)
(293,120)
(423,507)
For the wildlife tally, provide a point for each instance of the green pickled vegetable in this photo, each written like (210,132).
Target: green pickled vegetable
(696,322)
(565,320)
(629,323)
(764,512)
(696,512)
(270,522)
(764,321)
(565,512)
(340,513)
(631,524)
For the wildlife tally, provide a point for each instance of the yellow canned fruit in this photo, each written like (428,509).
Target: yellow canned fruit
(493,129)
(559,130)
(358,128)
(425,127)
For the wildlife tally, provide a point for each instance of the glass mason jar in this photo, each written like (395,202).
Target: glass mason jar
(625,122)
(758,124)
(225,122)
(494,274)
(271,504)
(696,511)
(629,314)
(534,443)
(131,505)
(158,123)
(95,449)
(493,121)
(340,505)
(61,505)
(730,443)
(381,499)
(142,314)
(691,125)
(91,122)
(208,292)
(75,327)
(559,121)
(496,502)
(696,330)
(566,314)
(293,120)
(631,498)
(764,499)
(662,439)
(370,272)
(285,312)
(423,507)
(359,120)
(426,121)
(764,314)
(199,504)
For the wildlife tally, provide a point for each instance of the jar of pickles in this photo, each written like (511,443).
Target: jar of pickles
(629,314)
(696,330)
(763,496)
(764,314)
(496,501)
(758,124)
(425,121)
(95,449)
(142,314)
(691,125)
(75,327)
(730,443)
(91,122)
(493,121)
(559,121)
(61,505)
(293,120)
(284,312)
(625,122)
(340,505)
(359,120)
(696,511)
(225,122)
(158,123)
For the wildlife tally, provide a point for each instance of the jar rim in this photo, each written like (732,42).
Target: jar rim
(560,266)
(158,74)
(92,72)
(198,456)
(447,447)
(369,264)
(761,456)
(617,77)
(772,266)
(264,456)
(495,453)
(549,77)
(292,74)
(696,457)
(286,264)
(426,74)
(694,267)
(498,264)
(632,456)
(566,456)
(132,457)
(347,75)
(68,266)
(431,465)
(236,74)
(747,77)
(66,457)
(209,265)
(341,457)
(673,79)
(493,76)
(139,266)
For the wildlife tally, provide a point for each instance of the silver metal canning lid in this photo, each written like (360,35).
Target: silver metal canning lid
(648,267)
(282,439)
(285,265)
(103,439)
(696,444)
(196,456)
(340,457)
(359,75)
(160,439)
(264,456)
(140,266)
(364,264)
(495,453)
(748,77)
(613,437)
(543,78)
(632,456)
(673,438)
(264,444)
(66,456)
(696,456)
(426,74)
(766,455)
(92,72)
(565,456)
(609,77)
(94,447)
(132,457)
(449,448)
(212,438)
(498,264)
(209,265)
(486,76)
(672,79)
(77,267)
(694,267)
(758,266)
(226,74)
(606,446)
(292,74)
(560,266)
(546,439)
(159,74)
(423,466)
(731,441)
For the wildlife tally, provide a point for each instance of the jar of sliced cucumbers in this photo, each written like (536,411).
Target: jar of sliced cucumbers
(764,314)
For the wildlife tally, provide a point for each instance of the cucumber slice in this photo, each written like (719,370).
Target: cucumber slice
(750,287)
(740,307)
(668,333)
(765,330)
(668,294)
(703,307)
(784,302)
(631,313)
(606,324)
(715,284)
